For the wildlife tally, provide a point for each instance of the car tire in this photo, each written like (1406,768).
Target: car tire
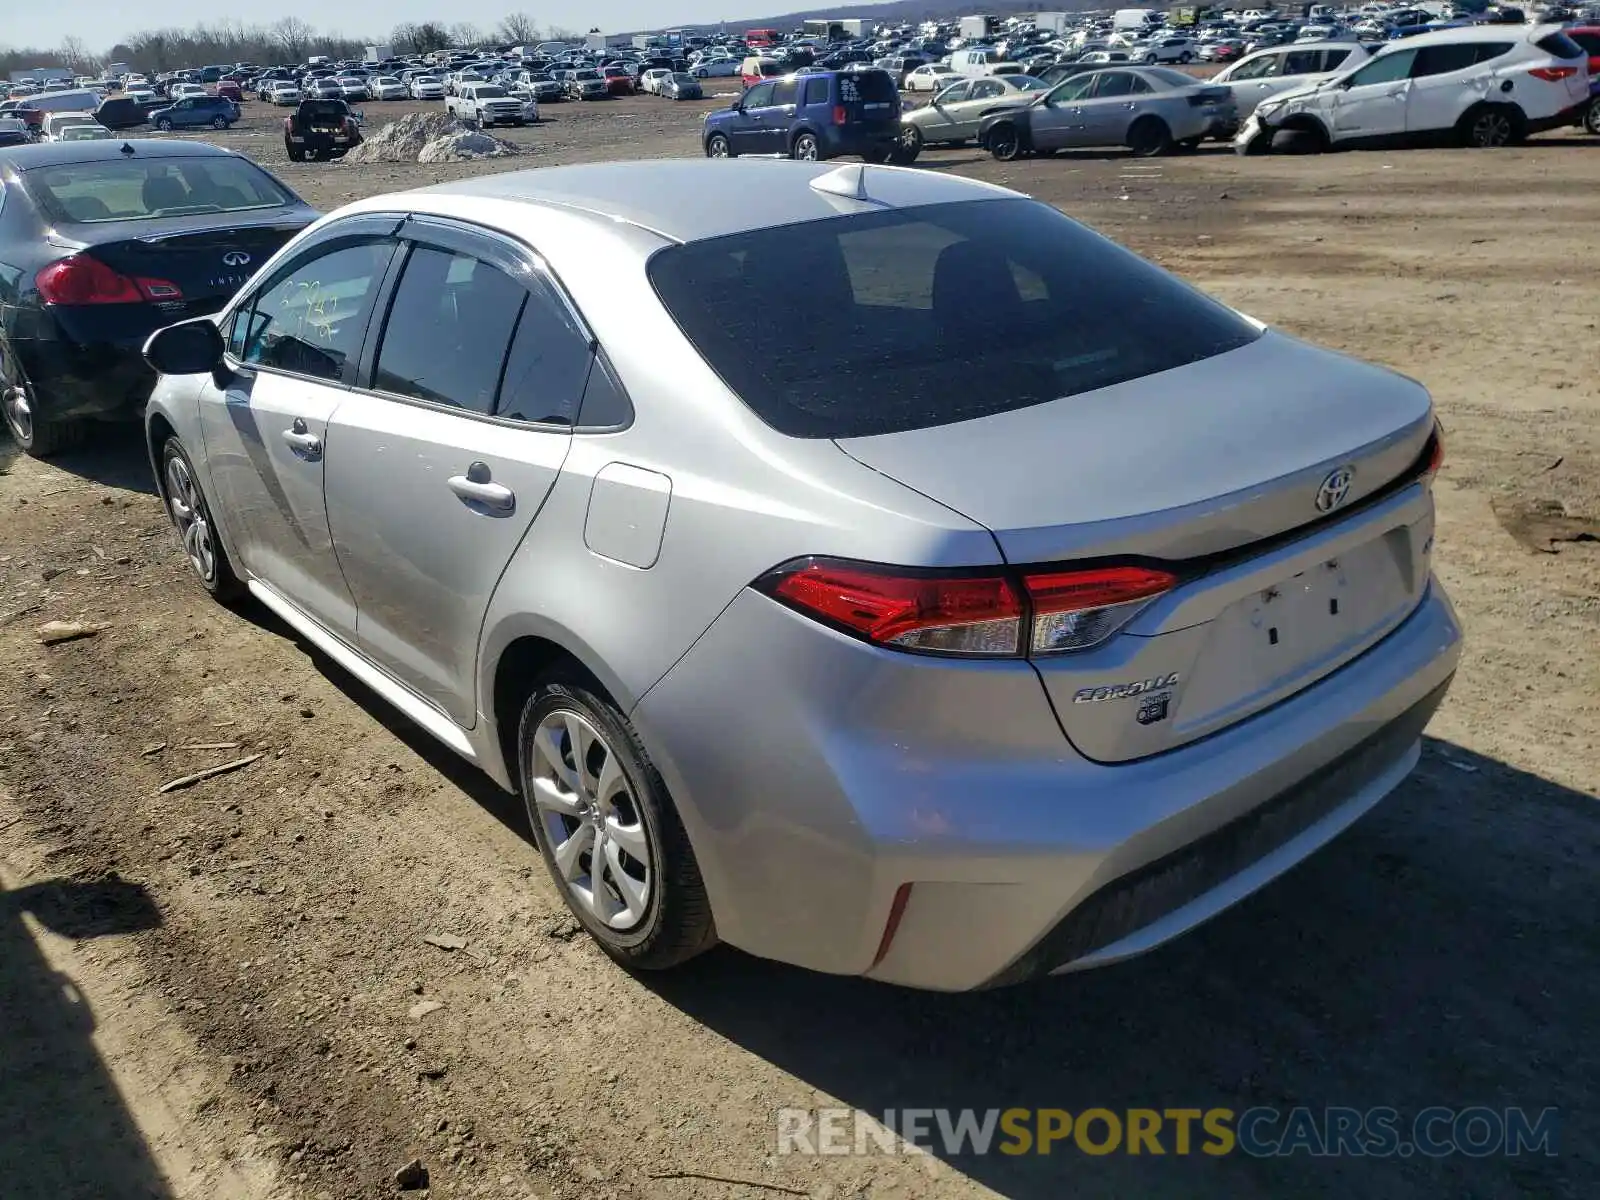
(1005,142)
(1591,117)
(614,799)
(296,154)
(909,145)
(219,122)
(1149,60)
(197,528)
(1149,138)
(1190,145)
(1490,126)
(164,125)
(718,146)
(1300,140)
(806,148)
(35,436)
(1186,58)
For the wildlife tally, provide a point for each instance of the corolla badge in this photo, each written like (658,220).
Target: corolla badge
(1335,489)
(236,258)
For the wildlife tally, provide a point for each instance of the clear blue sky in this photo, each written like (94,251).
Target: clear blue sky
(102,22)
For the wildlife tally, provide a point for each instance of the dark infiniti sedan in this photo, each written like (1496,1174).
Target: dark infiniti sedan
(101,244)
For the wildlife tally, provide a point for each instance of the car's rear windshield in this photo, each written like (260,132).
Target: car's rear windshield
(124,190)
(489,92)
(867,87)
(323,110)
(910,318)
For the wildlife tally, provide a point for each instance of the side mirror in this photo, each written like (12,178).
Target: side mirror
(188,348)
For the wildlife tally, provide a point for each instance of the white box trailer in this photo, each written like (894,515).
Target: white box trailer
(1129,20)
(972,28)
(1055,22)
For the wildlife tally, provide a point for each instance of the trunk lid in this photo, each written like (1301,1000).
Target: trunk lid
(1216,467)
(207,265)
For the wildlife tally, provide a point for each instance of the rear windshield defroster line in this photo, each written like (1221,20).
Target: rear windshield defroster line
(909,318)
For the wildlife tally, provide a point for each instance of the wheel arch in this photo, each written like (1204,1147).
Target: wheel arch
(1309,123)
(513,658)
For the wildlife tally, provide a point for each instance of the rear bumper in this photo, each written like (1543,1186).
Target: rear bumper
(97,379)
(818,776)
(835,142)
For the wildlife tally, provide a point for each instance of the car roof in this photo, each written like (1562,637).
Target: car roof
(54,154)
(686,200)
(1477,33)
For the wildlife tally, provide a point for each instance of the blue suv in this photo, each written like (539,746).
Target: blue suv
(193,112)
(815,116)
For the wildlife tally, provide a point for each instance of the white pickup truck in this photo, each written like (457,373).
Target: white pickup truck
(489,104)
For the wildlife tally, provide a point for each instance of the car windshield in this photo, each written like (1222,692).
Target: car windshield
(911,318)
(588,75)
(133,190)
(680,77)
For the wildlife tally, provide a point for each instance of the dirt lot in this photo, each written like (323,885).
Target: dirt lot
(225,991)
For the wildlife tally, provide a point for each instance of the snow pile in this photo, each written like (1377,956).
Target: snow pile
(429,137)
(466,146)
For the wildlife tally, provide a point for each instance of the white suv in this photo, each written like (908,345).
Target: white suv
(1165,48)
(1489,85)
(1255,77)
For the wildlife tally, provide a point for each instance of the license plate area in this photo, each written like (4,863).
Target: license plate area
(1291,632)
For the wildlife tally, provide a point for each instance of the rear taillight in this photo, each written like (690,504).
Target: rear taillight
(979,613)
(1435,451)
(914,610)
(1553,74)
(82,279)
(1073,610)
(840,116)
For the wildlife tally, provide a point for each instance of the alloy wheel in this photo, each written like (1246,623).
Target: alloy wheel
(189,515)
(1491,129)
(14,402)
(805,149)
(602,848)
(1591,118)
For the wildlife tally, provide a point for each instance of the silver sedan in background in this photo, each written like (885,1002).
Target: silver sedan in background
(873,569)
(1150,110)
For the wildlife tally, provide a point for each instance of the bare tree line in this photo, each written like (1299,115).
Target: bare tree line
(288,41)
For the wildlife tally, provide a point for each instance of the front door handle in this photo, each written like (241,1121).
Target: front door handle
(301,440)
(477,488)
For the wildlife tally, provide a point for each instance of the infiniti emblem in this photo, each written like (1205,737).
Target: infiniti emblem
(236,258)
(1335,489)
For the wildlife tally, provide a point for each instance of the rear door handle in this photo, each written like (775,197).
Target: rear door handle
(301,440)
(477,488)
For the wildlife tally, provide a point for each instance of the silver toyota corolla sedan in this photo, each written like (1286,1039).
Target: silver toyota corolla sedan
(873,569)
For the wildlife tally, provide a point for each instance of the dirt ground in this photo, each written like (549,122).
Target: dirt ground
(225,991)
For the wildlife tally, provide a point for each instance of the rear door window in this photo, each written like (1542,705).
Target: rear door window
(1442,60)
(448,330)
(912,318)
(548,363)
(1114,83)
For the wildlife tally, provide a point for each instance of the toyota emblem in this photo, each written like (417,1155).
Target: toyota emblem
(1335,489)
(236,258)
